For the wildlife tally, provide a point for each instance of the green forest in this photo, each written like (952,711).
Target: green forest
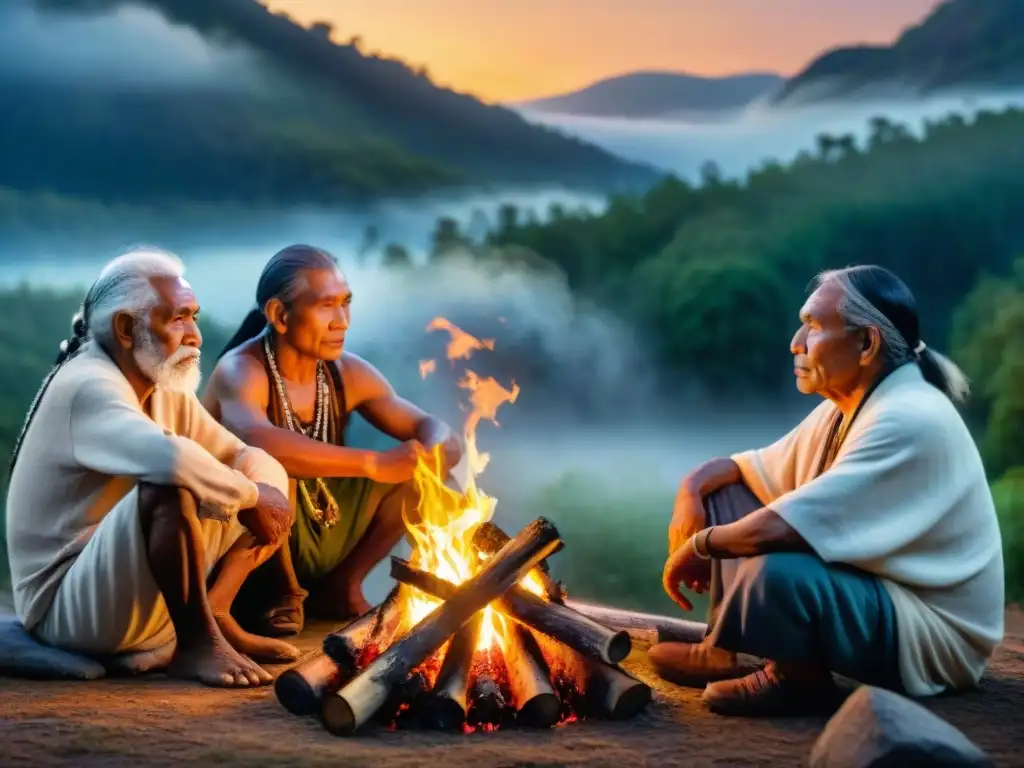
(308,121)
(715,273)
(961,43)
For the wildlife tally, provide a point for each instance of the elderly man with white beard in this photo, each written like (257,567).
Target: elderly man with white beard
(126,497)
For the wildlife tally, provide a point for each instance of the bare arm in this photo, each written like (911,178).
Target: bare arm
(241,390)
(759,533)
(688,513)
(372,396)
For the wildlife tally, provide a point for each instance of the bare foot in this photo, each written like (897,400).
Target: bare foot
(261,648)
(141,662)
(215,663)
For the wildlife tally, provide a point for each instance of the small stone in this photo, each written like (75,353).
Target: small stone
(876,728)
(21,655)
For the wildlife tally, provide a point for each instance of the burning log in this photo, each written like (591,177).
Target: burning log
(356,702)
(489,538)
(404,704)
(645,628)
(347,645)
(447,706)
(302,688)
(560,622)
(535,701)
(588,687)
(487,704)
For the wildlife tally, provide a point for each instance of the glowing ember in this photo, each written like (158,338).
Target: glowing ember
(427,367)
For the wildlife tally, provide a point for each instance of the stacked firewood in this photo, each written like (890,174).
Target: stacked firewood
(556,663)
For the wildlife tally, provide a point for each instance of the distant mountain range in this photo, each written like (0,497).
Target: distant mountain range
(961,44)
(314,121)
(656,94)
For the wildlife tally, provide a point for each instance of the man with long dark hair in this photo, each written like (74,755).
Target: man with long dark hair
(126,496)
(864,542)
(286,383)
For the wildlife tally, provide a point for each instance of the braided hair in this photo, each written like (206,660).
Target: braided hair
(68,349)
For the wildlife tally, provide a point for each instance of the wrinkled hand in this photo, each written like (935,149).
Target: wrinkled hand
(396,465)
(271,518)
(688,517)
(684,567)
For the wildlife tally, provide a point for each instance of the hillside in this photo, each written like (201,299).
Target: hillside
(300,120)
(652,94)
(962,44)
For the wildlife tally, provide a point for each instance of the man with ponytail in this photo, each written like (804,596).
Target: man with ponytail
(286,383)
(863,543)
(126,496)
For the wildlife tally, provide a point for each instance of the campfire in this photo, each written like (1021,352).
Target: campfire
(476,634)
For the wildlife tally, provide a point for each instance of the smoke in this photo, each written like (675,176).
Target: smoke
(738,143)
(123,46)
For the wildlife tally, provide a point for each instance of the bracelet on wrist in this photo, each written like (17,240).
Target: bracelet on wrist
(699,542)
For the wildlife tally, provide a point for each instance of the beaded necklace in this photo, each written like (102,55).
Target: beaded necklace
(325,508)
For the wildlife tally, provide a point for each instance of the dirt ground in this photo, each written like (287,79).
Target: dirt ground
(157,721)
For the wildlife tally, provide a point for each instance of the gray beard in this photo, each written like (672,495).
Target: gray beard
(178,373)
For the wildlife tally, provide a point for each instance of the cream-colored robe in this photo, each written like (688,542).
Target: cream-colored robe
(89,445)
(907,500)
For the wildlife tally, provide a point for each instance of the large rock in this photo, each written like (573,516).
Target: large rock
(23,656)
(877,728)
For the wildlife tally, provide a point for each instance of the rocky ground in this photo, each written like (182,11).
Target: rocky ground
(157,721)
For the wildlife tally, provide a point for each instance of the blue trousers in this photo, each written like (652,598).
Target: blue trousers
(795,607)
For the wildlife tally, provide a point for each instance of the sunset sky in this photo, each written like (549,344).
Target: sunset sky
(516,49)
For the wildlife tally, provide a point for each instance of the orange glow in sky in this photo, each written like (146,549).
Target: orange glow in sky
(507,50)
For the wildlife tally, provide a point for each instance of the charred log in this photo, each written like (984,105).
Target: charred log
(644,628)
(302,688)
(350,646)
(357,701)
(489,538)
(560,622)
(587,687)
(614,693)
(448,703)
(534,699)
(487,704)
(406,702)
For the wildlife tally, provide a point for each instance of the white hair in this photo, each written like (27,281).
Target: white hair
(124,285)
(858,311)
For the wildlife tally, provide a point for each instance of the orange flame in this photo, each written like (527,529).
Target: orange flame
(462,345)
(448,518)
(427,367)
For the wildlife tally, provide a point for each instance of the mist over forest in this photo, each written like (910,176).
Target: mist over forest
(640,278)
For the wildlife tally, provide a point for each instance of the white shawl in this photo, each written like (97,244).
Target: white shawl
(907,500)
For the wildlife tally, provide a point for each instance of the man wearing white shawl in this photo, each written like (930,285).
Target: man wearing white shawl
(864,542)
